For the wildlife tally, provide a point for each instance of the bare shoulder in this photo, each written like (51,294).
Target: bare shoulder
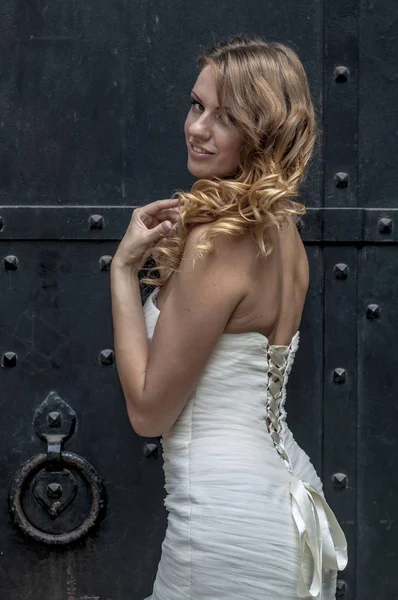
(226,246)
(228,262)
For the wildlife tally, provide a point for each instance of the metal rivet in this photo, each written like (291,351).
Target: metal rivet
(339,481)
(340,271)
(54,490)
(107,357)
(105,262)
(373,311)
(385,225)
(11,263)
(96,222)
(341,179)
(339,375)
(9,359)
(54,419)
(151,451)
(341,588)
(341,74)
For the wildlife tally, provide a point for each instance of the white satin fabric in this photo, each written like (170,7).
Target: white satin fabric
(247,517)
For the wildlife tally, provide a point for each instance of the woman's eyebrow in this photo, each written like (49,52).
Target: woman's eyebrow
(197,98)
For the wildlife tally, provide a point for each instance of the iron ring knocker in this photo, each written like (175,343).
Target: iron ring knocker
(55,489)
(68,458)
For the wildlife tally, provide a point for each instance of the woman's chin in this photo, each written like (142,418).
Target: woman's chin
(200,173)
(203,172)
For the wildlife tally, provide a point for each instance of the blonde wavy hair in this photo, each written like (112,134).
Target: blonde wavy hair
(265,87)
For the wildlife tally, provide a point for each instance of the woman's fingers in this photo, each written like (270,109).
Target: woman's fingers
(153,219)
(155,207)
(168,213)
(173,212)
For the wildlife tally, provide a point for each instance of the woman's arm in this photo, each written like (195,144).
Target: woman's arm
(130,338)
(158,378)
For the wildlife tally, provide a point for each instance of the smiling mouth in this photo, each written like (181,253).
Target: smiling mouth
(198,150)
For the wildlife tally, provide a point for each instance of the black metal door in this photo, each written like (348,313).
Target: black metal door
(93,99)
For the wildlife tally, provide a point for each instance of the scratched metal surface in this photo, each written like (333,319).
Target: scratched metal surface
(93,100)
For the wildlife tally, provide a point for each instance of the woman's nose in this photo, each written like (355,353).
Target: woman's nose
(200,128)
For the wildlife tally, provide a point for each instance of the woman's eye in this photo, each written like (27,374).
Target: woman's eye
(196,105)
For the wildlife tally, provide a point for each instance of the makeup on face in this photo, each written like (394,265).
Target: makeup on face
(213,142)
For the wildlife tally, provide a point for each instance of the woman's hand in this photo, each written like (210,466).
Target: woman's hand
(148,225)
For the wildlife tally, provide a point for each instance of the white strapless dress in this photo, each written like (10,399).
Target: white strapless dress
(247,518)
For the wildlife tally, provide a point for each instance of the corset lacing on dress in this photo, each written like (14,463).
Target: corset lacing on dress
(315,521)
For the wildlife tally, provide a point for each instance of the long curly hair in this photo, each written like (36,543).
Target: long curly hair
(265,87)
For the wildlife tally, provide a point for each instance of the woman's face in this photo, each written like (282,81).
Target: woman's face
(213,142)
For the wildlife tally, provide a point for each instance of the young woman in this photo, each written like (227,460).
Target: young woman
(205,362)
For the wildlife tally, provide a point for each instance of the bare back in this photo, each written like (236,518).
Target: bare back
(276,287)
(277,290)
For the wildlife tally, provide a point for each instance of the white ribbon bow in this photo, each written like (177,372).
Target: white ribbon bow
(319,528)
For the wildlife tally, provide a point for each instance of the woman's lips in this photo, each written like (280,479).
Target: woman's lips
(197,154)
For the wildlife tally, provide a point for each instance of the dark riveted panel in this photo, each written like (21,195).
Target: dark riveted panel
(326,225)
(340,101)
(340,393)
(377,422)
(342,223)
